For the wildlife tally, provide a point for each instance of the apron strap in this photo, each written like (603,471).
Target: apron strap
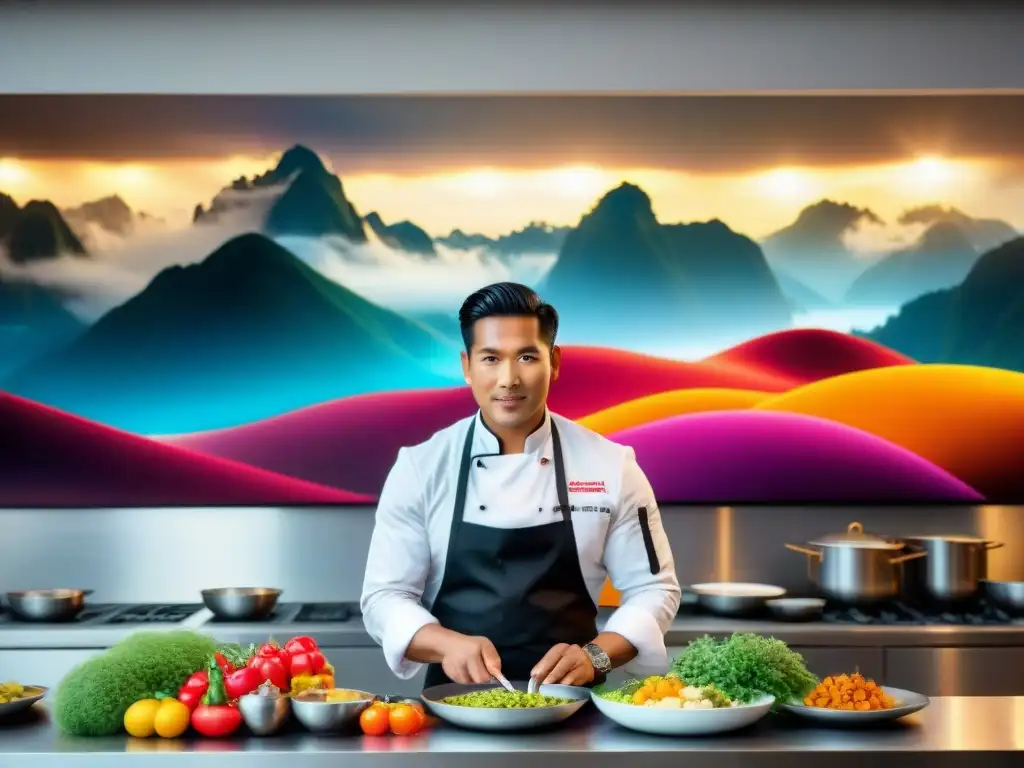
(560,485)
(463,485)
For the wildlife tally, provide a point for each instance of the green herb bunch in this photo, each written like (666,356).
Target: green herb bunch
(745,667)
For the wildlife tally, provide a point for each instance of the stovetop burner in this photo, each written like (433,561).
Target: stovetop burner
(7,616)
(154,614)
(326,612)
(898,613)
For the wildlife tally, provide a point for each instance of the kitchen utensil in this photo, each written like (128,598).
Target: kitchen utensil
(488,719)
(241,603)
(1008,595)
(33,693)
(264,715)
(319,715)
(684,722)
(734,598)
(856,567)
(505,683)
(908,703)
(952,571)
(797,608)
(48,604)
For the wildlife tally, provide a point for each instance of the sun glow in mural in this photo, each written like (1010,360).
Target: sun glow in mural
(252,300)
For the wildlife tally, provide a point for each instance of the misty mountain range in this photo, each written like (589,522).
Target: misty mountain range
(251,331)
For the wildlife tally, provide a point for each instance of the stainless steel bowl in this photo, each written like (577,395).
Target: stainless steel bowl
(1008,595)
(48,604)
(264,715)
(797,608)
(241,603)
(734,598)
(321,716)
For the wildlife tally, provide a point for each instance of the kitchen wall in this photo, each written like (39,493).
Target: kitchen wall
(320,554)
(168,554)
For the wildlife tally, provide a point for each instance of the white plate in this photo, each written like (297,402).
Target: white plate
(684,722)
(908,702)
(35,693)
(488,719)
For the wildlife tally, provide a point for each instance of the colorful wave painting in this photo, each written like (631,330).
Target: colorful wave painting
(858,424)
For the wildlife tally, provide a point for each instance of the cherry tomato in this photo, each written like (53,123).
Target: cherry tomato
(375,720)
(273,669)
(405,720)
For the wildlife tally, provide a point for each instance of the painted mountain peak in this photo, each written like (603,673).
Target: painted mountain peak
(248,332)
(402,236)
(667,279)
(978,322)
(312,204)
(36,231)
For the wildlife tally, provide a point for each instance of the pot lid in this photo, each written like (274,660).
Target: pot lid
(854,536)
(953,539)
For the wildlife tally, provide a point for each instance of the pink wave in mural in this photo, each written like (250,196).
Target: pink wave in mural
(51,458)
(759,456)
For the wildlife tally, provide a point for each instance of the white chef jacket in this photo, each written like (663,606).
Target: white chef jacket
(607,488)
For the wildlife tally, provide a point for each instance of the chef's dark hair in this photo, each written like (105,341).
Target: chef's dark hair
(507,300)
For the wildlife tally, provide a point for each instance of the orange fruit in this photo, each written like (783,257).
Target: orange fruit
(375,720)
(406,720)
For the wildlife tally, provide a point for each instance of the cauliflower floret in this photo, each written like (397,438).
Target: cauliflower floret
(702,704)
(690,693)
(670,702)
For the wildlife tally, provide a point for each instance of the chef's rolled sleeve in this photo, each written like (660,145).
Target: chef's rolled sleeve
(396,568)
(639,562)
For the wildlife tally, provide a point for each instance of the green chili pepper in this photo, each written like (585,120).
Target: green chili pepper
(215,694)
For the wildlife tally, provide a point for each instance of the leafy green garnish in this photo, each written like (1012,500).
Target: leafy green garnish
(745,667)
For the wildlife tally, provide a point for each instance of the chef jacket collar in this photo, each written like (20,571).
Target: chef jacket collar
(485,442)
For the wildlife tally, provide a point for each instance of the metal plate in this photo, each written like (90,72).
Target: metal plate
(912,702)
(10,708)
(485,719)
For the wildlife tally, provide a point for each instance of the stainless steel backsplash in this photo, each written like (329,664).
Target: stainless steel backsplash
(320,553)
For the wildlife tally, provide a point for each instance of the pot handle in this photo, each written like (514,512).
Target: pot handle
(904,558)
(804,550)
(993,544)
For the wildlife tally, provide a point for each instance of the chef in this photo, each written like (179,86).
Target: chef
(493,538)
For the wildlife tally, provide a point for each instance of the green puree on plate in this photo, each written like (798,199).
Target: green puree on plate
(499,698)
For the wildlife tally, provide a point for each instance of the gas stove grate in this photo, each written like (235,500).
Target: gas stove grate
(326,612)
(154,614)
(897,613)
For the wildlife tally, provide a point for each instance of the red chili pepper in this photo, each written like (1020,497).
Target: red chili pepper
(225,666)
(242,681)
(273,669)
(310,663)
(300,644)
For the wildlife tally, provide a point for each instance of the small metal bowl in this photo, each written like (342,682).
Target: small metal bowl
(48,604)
(319,715)
(264,715)
(797,608)
(241,603)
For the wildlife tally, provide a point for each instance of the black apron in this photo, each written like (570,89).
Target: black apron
(522,589)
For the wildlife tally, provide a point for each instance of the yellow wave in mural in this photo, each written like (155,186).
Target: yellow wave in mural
(664,405)
(968,420)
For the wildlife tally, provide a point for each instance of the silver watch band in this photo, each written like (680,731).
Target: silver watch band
(598,657)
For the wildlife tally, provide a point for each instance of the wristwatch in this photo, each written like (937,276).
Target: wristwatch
(602,664)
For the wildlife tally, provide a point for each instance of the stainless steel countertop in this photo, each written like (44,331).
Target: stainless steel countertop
(352,634)
(950,732)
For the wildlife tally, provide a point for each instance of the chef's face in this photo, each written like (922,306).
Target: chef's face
(510,369)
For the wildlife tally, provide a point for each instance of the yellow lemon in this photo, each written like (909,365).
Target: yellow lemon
(171,719)
(139,717)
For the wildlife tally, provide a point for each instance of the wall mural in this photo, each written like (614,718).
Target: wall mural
(251,300)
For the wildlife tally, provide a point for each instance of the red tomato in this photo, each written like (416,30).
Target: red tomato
(190,698)
(300,644)
(216,721)
(242,681)
(273,669)
(308,663)
(269,651)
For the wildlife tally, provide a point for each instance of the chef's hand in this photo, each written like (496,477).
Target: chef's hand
(468,659)
(564,665)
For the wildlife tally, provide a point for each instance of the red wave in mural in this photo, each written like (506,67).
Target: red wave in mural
(760,456)
(51,458)
(808,354)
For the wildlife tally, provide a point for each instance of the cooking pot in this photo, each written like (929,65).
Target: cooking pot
(953,571)
(856,567)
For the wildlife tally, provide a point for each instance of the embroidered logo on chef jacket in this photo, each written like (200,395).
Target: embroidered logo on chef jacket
(587,486)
